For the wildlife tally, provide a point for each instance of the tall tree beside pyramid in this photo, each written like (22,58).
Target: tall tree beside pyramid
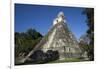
(89,12)
(59,38)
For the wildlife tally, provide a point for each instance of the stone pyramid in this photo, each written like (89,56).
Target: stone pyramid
(59,38)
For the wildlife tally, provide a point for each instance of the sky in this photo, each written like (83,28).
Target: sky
(40,18)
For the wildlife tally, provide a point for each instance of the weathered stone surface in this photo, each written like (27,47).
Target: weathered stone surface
(59,38)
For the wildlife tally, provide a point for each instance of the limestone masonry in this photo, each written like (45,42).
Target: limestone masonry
(59,38)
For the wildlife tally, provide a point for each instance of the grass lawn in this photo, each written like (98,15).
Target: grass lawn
(55,61)
(66,60)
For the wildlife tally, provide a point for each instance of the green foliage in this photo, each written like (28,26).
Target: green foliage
(89,12)
(43,57)
(26,41)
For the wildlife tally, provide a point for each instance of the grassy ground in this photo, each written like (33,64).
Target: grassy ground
(67,60)
(55,61)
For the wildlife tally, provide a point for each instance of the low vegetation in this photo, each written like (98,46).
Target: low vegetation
(25,42)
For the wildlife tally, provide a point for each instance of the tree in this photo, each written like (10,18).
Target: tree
(43,57)
(89,12)
(33,34)
(26,41)
(52,55)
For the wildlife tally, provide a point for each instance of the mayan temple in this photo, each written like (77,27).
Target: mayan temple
(59,38)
